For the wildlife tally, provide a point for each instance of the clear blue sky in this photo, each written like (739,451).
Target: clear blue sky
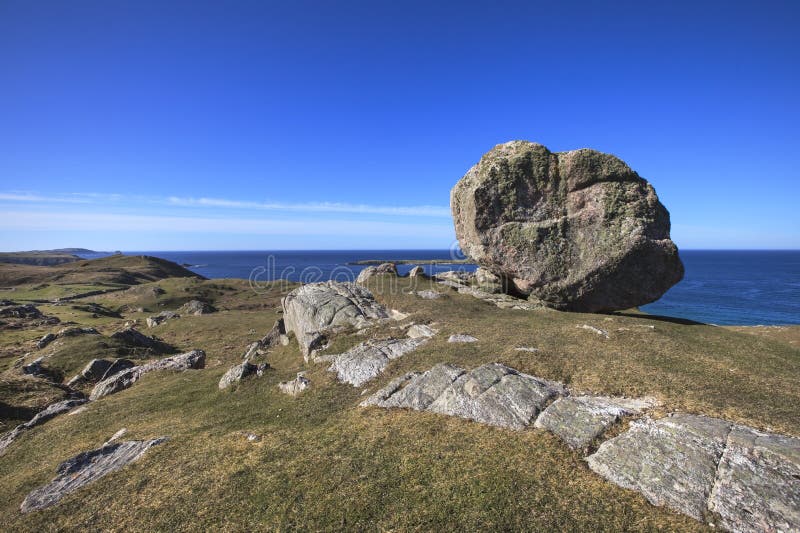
(158,125)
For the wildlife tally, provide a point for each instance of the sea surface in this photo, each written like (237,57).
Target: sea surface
(720,287)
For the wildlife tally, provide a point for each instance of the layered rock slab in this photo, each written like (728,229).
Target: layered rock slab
(368,359)
(492,394)
(51,411)
(578,420)
(671,461)
(577,230)
(311,309)
(757,486)
(122,380)
(86,468)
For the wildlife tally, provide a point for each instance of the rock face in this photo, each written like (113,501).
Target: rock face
(576,230)
(365,361)
(311,309)
(122,380)
(672,461)
(758,482)
(86,468)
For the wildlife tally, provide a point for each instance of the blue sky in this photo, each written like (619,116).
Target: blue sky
(142,125)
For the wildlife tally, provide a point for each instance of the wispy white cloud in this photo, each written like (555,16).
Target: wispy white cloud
(314,207)
(27,221)
(231,204)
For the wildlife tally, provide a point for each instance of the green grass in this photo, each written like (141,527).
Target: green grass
(325,464)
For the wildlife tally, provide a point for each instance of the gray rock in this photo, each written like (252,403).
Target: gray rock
(497,395)
(370,271)
(44,341)
(365,361)
(578,420)
(36,368)
(21,311)
(577,230)
(311,309)
(239,372)
(459,277)
(131,337)
(461,337)
(118,365)
(275,336)
(124,379)
(295,386)
(596,331)
(252,350)
(92,372)
(415,390)
(196,307)
(429,295)
(161,317)
(488,281)
(76,332)
(672,461)
(86,468)
(417,271)
(757,487)
(41,417)
(417,331)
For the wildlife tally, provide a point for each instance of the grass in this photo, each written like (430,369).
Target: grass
(325,464)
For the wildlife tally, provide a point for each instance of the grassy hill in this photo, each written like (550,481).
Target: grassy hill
(322,462)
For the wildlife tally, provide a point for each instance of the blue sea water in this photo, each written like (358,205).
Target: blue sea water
(720,287)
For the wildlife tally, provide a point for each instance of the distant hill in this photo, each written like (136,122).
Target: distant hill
(115,269)
(39,257)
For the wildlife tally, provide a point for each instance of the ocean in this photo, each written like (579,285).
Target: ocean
(720,287)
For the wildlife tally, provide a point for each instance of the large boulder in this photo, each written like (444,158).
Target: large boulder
(312,309)
(576,230)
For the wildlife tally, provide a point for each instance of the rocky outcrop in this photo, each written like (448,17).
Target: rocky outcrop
(21,311)
(99,369)
(429,295)
(370,271)
(295,386)
(132,337)
(312,309)
(415,272)
(275,336)
(41,417)
(579,420)
(86,468)
(239,372)
(757,486)
(576,230)
(365,361)
(499,299)
(672,461)
(196,307)
(163,316)
(122,380)
(64,333)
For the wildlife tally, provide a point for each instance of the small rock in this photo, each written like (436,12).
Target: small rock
(116,436)
(44,341)
(161,317)
(461,337)
(417,271)
(132,337)
(526,349)
(295,386)
(239,372)
(196,307)
(429,295)
(587,327)
(420,331)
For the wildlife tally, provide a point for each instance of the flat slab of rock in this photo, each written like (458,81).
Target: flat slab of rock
(492,394)
(421,330)
(309,310)
(578,420)
(41,417)
(122,380)
(86,468)
(365,361)
(757,486)
(429,295)
(672,461)
(461,337)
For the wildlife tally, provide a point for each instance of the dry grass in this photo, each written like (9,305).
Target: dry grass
(325,464)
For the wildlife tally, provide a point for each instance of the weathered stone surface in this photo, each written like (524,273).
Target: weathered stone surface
(93,371)
(415,390)
(488,281)
(578,420)
(370,271)
(132,337)
(497,395)
(161,317)
(76,332)
(672,461)
(757,486)
(86,468)
(275,336)
(37,368)
(196,307)
(118,365)
(365,361)
(124,379)
(21,311)
(45,340)
(417,271)
(461,337)
(596,331)
(310,309)
(239,372)
(429,295)
(578,230)
(420,331)
(41,417)
(455,276)
(295,386)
